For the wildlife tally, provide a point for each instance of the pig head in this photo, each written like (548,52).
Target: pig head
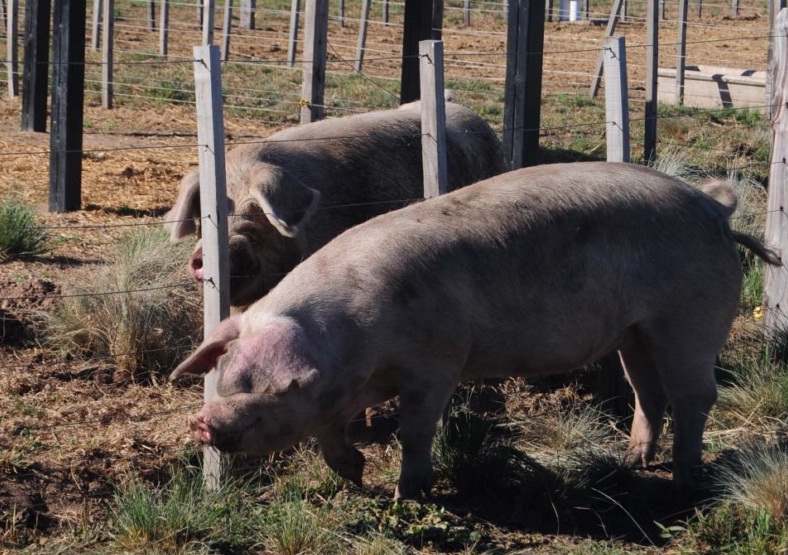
(263,401)
(536,271)
(293,192)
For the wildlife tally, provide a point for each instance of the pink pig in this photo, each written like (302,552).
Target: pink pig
(536,271)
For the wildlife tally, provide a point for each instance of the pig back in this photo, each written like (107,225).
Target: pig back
(368,164)
(516,268)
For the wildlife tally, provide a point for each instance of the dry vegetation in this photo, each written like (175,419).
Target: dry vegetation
(93,449)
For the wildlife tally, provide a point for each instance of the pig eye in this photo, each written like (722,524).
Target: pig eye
(253,211)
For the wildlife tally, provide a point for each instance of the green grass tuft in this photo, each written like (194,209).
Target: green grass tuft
(21,235)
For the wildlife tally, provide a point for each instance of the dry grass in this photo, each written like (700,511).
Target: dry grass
(136,310)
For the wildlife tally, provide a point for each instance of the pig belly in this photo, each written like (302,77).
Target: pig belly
(528,354)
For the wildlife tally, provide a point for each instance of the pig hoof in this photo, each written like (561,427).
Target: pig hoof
(200,429)
(686,480)
(412,490)
(638,457)
(350,466)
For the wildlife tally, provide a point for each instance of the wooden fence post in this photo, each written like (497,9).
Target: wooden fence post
(616,104)
(314,75)
(421,23)
(213,204)
(36,66)
(12,48)
(433,118)
(164,27)
(68,95)
(227,27)
(151,11)
(682,56)
(774,7)
(775,292)
(523,88)
(96,29)
(248,14)
(609,30)
(362,34)
(295,8)
(208,14)
(466,13)
(341,12)
(652,67)
(108,47)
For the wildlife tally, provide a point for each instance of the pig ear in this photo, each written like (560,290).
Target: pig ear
(215,345)
(287,202)
(180,219)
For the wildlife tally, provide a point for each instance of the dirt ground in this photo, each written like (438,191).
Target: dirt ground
(70,432)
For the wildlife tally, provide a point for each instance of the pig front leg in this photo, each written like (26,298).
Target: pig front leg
(422,403)
(338,452)
(340,455)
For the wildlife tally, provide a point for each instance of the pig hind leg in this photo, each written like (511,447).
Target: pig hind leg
(650,401)
(684,350)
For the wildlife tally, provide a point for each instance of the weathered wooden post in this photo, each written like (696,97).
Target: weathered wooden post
(68,93)
(12,47)
(227,27)
(362,34)
(616,103)
(314,75)
(95,34)
(775,294)
(213,205)
(248,13)
(652,67)
(422,22)
(208,14)
(609,30)
(36,66)
(523,88)
(295,8)
(682,56)
(107,53)
(164,27)
(433,118)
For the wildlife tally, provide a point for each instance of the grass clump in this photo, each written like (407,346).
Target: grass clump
(756,398)
(731,529)
(21,235)
(184,515)
(757,480)
(294,525)
(137,309)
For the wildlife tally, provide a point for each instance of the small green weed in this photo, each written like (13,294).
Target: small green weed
(21,235)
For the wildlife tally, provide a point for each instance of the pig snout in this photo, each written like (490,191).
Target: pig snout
(195,265)
(201,429)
